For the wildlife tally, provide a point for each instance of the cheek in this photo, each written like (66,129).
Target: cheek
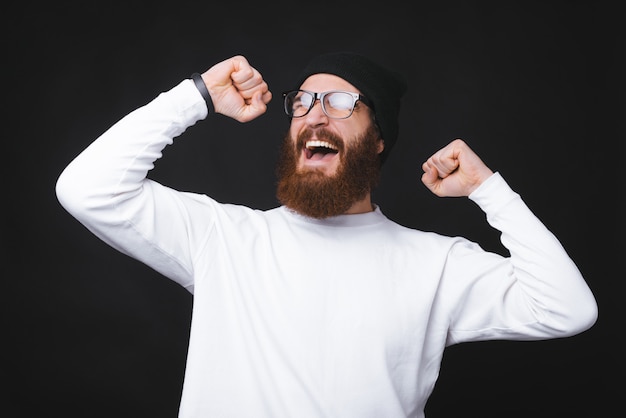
(295,128)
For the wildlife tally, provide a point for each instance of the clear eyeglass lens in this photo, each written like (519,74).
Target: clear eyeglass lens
(299,103)
(339,104)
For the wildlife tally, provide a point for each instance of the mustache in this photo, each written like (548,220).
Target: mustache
(321,134)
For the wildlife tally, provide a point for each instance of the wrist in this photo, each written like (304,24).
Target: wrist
(204,91)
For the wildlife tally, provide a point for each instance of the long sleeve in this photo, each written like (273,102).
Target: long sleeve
(106,189)
(537,292)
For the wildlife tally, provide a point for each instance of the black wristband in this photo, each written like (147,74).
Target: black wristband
(201,86)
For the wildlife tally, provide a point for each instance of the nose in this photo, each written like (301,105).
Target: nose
(316,116)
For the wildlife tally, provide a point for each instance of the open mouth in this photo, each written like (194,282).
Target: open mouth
(319,150)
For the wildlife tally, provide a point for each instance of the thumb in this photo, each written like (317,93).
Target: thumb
(256,107)
(258,102)
(430,177)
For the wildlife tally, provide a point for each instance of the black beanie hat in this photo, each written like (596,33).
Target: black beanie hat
(383,87)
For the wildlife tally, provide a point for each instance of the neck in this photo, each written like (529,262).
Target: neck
(362,206)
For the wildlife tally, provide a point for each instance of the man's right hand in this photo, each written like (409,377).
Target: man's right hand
(237,89)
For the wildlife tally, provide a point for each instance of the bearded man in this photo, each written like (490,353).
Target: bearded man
(322,306)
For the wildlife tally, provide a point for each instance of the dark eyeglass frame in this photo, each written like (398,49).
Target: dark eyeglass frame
(320,96)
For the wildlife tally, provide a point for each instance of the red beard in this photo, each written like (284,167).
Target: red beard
(317,195)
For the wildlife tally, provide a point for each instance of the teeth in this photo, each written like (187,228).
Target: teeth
(318,144)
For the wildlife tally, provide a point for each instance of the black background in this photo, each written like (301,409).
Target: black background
(536,88)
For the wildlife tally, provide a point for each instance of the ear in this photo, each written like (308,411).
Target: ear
(380,145)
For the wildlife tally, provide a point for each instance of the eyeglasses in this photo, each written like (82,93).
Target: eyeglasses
(335,104)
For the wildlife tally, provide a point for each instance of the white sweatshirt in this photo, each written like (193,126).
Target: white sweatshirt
(301,318)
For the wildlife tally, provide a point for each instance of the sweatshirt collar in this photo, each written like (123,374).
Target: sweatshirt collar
(353,220)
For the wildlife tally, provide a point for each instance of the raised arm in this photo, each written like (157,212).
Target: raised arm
(106,186)
(535,293)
